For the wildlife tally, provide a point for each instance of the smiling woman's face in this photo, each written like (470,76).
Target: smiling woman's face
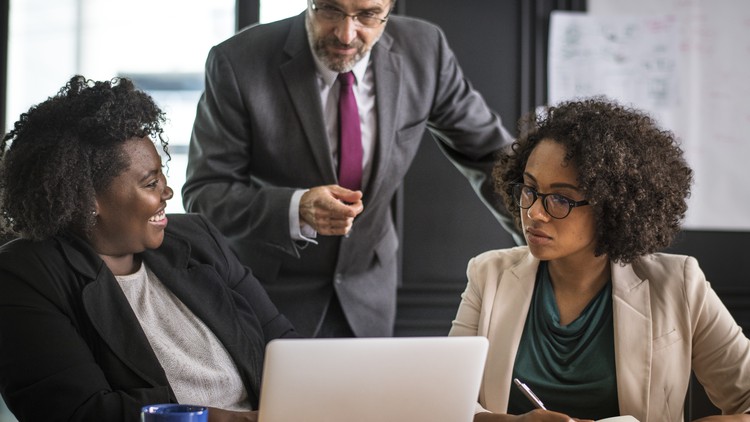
(550,238)
(130,212)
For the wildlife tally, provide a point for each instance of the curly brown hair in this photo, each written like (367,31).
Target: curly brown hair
(68,148)
(632,172)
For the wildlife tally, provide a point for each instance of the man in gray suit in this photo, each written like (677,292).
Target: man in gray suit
(265,154)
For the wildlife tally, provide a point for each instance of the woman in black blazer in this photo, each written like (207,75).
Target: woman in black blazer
(106,303)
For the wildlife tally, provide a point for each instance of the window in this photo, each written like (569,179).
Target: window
(161,44)
(273,10)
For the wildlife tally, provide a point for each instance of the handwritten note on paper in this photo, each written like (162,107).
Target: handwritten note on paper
(631,59)
(683,61)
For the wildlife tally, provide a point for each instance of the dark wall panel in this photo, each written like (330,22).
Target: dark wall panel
(725,259)
(4,25)
(501,46)
(445,223)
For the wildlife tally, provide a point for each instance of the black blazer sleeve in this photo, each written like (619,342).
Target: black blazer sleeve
(240,279)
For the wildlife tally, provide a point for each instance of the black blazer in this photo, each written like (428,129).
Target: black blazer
(71,348)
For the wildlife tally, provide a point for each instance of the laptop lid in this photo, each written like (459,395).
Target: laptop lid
(393,379)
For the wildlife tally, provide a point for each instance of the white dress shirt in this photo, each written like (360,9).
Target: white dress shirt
(364,93)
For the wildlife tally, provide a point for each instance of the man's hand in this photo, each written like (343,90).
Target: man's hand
(330,210)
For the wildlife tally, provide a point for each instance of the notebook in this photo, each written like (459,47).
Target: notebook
(395,379)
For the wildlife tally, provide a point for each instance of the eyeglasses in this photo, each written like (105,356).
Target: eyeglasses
(333,14)
(556,205)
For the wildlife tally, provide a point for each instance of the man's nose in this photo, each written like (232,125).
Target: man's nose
(346,30)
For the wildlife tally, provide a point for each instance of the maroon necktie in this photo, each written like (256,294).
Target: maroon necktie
(350,136)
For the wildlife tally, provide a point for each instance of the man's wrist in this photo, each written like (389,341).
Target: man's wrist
(298,229)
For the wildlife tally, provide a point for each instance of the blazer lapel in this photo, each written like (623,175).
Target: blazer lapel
(510,307)
(387,71)
(197,287)
(299,76)
(113,318)
(633,340)
(110,313)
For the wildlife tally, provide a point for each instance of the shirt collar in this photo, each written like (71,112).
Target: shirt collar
(329,76)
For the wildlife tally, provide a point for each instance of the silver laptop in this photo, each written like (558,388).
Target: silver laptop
(397,379)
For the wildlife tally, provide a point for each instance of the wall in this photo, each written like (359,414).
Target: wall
(501,46)
(445,224)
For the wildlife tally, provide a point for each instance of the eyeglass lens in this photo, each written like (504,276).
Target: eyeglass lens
(555,205)
(332,14)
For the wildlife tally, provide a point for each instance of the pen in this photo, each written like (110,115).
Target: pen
(529,394)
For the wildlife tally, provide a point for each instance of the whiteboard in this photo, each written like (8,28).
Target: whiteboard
(687,63)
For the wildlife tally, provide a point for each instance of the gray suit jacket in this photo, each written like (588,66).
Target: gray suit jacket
(259,134)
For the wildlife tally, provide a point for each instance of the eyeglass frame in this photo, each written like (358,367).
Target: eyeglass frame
(543,196)
(342,15)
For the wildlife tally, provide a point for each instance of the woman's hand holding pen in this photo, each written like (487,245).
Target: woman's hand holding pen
(331,209)
(540,414)
(536,415)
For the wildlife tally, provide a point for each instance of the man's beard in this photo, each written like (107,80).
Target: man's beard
(340,64)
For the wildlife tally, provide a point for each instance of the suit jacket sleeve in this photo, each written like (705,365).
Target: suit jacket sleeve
(467,321)
(469,132)
(242,281)
(220,184)
(721,352)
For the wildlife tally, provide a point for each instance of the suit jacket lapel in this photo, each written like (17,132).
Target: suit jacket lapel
(632,329)
(387,71)
(633,340)
(509,310)
(196,287)
(299,76)
(112,317)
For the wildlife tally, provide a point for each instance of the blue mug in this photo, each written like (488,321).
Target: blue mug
(172,412)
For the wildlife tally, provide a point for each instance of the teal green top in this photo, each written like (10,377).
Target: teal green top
(570,368)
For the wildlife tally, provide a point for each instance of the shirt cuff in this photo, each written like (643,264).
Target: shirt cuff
(299,230)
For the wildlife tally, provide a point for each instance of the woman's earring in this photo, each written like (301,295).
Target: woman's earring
(93,213)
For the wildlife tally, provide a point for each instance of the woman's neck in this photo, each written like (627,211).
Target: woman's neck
(576,283)
(580,276)
(122,264)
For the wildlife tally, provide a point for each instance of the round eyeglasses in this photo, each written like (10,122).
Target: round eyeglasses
(333,14)
(556,205)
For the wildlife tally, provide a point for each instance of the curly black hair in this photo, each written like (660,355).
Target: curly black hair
(68,148)
(632,172)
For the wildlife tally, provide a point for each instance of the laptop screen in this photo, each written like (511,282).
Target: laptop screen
(394,379)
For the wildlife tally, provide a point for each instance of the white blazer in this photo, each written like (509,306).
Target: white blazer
(667,321)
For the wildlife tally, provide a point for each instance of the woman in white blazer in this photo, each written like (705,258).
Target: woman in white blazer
(589,315)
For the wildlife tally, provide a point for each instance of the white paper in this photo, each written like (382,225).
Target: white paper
(683,61)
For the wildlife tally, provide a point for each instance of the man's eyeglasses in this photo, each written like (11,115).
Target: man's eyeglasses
(556,205)
(333,14)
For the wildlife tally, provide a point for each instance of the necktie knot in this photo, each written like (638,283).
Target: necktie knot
(346,79)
